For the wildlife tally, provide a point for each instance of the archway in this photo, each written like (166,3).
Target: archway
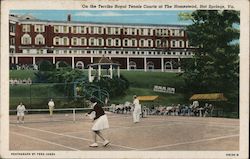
(150,65)
(168,65)
(132,65)
(80,65)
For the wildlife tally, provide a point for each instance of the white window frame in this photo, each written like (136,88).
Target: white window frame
(26,39)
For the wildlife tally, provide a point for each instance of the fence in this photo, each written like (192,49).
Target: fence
(65,95)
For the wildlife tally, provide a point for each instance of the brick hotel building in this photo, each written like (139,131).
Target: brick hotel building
(133,46)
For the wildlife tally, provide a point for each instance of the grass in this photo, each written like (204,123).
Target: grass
(141,83)
(22,74)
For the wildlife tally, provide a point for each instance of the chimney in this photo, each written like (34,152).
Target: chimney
(69,17)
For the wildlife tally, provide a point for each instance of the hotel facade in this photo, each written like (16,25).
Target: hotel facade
(148,47)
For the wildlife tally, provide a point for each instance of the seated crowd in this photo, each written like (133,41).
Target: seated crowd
(175,110)
(20,81)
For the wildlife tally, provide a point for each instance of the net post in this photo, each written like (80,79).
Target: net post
(74,115)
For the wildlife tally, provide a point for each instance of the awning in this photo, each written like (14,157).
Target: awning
(147,98)
(209,97)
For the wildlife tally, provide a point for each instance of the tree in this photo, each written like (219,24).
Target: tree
(215,66)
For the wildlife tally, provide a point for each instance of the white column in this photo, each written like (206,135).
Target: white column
(34,60)
(12,60)
(128,63)
(99,72)
(179,68)
(91,60)
(111,71)
(118,71)
(53,59)
(90,76)
(162,64)
(145,64)
(16,60)
(73,62)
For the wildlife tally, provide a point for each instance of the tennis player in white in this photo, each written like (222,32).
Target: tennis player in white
(20,112)
(51,105)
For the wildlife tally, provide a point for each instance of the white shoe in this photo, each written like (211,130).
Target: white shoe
(106,142)
(93,145)
(17,122)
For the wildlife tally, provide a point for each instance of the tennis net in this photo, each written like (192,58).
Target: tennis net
(43,115)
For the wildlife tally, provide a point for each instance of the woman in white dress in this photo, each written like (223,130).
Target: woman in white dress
(137,110)
(100,122)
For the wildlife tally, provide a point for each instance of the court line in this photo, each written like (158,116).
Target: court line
(119,127)
(46,141)
(75,137)
(189,142)
(196,122)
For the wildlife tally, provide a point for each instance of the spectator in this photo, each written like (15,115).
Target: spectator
(137,110)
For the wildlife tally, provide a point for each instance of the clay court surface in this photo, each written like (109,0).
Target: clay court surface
(153,133)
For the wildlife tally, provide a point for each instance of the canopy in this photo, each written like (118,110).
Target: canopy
(209,97)
(147,98)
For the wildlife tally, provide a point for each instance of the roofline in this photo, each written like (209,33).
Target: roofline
(101,23)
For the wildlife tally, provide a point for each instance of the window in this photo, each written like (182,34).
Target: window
(83,41)
(92,30)
(12,41)
(56,29)
(108,30)
(133,42)
(26,28)
(56,41)
(100,42)
(180,43)
(158,43)
(116,30)
(173,43)
(109,42)
(12,28)
(26,39)
(65,41)
(39,51)
(142,42)
(149,43)
(82,29)
(173,32)
(65,29)
(39,39)
(117,42)
(99,30)
(133,31)
(39,28)
(125,42)
(149,31)
(74,41)
(125,31)
(92,42)
(74,29)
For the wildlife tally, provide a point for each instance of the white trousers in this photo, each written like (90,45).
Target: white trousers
(136,114)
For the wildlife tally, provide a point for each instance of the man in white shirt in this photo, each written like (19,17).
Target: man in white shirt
(20,112)
(137,110)
(51,105)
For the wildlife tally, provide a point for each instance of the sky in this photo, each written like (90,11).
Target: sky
(112,16)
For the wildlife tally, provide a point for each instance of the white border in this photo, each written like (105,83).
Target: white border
(242,5)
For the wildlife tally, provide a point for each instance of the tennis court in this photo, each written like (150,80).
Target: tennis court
(153,133)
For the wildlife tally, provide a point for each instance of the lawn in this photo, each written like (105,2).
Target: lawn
(141,83)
